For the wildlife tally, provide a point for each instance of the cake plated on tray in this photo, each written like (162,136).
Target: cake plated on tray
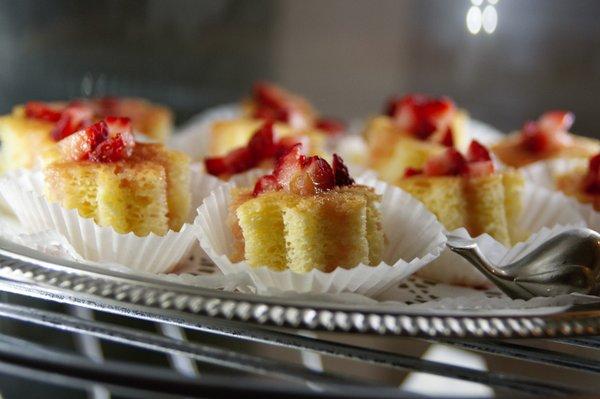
(544,139)
(412,129)
(36,126)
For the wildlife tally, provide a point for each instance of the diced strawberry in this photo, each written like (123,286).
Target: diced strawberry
(236,161)
(320,173)
(479,168)
(113,149)
(538,141)
(272,114)
(421,115)
(288,165)
(80,145)
(75,117)
(262,143)
(287,142)
(107,106)
(265,184)
(122,127)
(447,139)
(477,152)
(409,172)
(591,182)
(330,126)
(553,121)
(449,163)
(43,111)
(340,172)
(269,95)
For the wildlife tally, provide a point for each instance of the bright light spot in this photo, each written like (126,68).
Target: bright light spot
(490,19)
(476,2)
(474,18)
(493,1)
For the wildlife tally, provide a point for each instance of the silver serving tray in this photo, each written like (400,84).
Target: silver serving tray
(28,272)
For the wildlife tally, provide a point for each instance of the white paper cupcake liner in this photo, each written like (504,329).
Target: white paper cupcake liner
(23,191)
(414,238)
(542,209)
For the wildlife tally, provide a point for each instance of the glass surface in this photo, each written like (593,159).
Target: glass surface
(507,62)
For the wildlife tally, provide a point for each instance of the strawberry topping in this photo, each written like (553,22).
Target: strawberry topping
(75,117)
(591,182)
(330,126)
(43,111)
(262,146)
(477,163)
(549,133)
(340,172)
(110,140)
(303,175)
(422,115)
(275,104)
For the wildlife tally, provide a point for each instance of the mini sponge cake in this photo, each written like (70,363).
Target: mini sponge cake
(582,183)
(33,128)
(546,138)
(468,193)
(415,128)
(146,190)
(306,215)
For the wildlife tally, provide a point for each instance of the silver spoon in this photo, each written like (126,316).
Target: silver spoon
(567,263)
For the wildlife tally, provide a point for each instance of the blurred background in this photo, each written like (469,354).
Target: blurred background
(503,60)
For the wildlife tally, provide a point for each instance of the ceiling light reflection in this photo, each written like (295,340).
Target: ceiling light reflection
(490,19)
(474,20)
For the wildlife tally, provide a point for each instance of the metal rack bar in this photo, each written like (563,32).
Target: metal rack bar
(204,353)
(530,354)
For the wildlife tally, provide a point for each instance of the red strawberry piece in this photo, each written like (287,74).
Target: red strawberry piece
(113,149)
(285,143)
(553,121)
(477,152)
(409,172)
(272,114)
(315,176)
(449,163)
(75,117)
(340,172)
(330,126)
(122,127)
(591,182)
(421,115)
(269,95)
(262,143)
(236,161)
(288,165)
(107,106)
(80,145)
(447,138)
(265,184)
(42,111)
(479,168)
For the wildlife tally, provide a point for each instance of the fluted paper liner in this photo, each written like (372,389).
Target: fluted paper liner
(544,173)
(23,191)
(542,209)
(414,238)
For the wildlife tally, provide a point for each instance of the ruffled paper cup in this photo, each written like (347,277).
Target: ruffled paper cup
(414,238)
(542,209)
(23,191)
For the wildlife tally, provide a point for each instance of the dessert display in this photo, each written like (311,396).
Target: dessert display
(414,128)
(306,215)
(546,138)
(133,187)
(292,116)
(467,191)
(582,183)
(36,126)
